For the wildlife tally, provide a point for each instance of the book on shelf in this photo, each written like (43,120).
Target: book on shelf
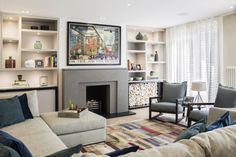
(20,83)
(50,61)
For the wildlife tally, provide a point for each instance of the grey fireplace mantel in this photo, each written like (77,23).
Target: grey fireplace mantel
(75,81)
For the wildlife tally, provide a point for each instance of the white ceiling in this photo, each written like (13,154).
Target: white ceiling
(158,13)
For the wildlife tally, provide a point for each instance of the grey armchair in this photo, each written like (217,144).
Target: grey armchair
(226,98)
(171,100)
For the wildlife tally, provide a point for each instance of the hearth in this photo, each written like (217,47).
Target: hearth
(98,98)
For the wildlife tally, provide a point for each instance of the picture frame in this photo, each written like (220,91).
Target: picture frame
(93,44)
(39,63)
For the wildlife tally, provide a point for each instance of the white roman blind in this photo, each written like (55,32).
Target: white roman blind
(194,52)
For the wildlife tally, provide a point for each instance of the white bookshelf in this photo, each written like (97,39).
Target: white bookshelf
(17,40)
(139,52)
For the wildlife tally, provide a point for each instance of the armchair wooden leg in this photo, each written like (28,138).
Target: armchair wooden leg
(189,122)
(150,113)
(184,112)
(176,118)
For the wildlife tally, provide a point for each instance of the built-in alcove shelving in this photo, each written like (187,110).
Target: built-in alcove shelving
(17,40)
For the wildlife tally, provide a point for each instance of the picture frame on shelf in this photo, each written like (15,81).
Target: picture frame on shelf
(39,63)
(93,44)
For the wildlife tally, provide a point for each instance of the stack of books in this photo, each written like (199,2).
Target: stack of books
(21,83)
(50,61)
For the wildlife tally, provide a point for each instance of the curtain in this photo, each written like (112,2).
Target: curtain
(194,52)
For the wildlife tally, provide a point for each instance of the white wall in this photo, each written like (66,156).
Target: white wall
(229,23)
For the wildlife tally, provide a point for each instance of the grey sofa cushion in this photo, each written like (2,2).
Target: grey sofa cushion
(197,115)
(226,97)
(172,91)
(166,107)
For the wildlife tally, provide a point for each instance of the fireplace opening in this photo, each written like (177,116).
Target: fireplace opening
(98,98)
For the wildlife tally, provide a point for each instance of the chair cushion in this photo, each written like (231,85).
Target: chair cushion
(10,111)
(172,91)
(197,115)
(226,97)
(166,107)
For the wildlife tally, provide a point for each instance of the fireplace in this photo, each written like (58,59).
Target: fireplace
(98,98)
(111,86)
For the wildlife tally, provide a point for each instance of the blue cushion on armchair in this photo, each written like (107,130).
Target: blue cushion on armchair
(173,91)
(226,97)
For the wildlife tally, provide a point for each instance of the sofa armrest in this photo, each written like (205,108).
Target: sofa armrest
(216,112)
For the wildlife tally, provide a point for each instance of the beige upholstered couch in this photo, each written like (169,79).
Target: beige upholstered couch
(217,143)
(42,141)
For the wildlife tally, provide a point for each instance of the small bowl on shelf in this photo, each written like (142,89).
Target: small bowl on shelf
(138,78)
(131,79)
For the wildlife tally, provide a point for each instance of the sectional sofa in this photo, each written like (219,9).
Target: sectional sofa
(217,143)
(47,134)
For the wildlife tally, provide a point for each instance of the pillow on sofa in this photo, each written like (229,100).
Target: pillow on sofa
(67,152)
(10,111)
(25,107)
(195,129)
(123,151)
(223,121)
(32,98)
(6,151)
(10,141)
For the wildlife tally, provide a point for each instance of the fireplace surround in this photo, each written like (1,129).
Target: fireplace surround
(78,82)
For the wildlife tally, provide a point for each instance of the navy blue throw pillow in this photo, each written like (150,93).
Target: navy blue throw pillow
(195,129)
(10,141)
(123,151)
(10,111)
(223,121)
(233,122)
(6,151)
(67,152)
(25,106)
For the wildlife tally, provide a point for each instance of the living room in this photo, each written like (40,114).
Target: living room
(117,78)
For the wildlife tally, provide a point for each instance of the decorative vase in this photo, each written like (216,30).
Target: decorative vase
(19,77)
(10,63)
(145,37)
(139,36)
(151,73)
(156,57)
(38,45)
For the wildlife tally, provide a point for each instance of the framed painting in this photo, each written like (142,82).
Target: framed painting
(93,44)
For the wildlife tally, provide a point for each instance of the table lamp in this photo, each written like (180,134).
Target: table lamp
(198,86)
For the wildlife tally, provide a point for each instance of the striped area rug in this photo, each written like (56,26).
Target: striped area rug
(145,134)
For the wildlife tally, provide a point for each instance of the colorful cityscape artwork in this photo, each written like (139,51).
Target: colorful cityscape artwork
(93,44)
